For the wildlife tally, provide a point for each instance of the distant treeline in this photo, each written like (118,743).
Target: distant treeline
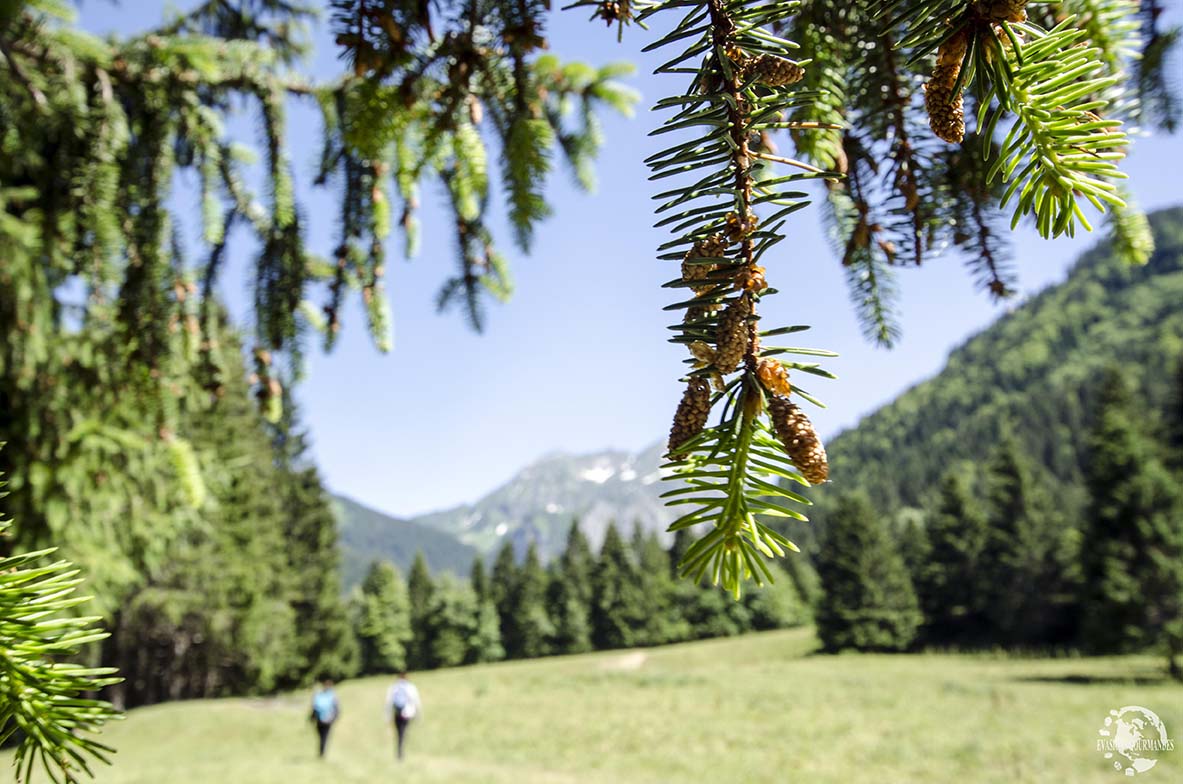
(626,595)
(998,560)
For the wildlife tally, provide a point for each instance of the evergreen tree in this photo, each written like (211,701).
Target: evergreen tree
(1133,595)
(617,603)
(570,594)
(660,620)
(1174,425)
(214,616)
(479,580)
(805,579)
(911,537)
(531,626)
(777,605)
(570,617)
(1028,564)
(577,562)
(383,618)
(451,623)
(950,584)
(869,602)
(420,588)
(485,641)
(502,588)
(1173,630)
(325,643)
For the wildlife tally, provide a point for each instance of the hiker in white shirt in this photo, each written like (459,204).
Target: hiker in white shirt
(402,707)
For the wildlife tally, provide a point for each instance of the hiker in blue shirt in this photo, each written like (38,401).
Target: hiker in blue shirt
(402,706)
(325,710)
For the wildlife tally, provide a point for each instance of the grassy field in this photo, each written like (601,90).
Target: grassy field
(762,708)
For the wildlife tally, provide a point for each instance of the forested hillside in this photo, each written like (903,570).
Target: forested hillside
(1033,375)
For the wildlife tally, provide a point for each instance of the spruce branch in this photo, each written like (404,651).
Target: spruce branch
(1058,149)
(725,216)
(41,700)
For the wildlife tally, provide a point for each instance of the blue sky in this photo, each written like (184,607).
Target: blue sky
(577,360)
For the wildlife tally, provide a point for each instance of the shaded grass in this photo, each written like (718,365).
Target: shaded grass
(753,709)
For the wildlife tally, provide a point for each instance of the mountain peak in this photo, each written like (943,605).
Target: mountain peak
(539,503)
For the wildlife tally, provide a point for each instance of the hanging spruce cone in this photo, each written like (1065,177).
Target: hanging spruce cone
(945,114)
(691,416)
(712,247)
(731,336)
(775,71)
(801,443)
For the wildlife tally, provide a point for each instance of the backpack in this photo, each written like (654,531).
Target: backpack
(400,699)
(324,706)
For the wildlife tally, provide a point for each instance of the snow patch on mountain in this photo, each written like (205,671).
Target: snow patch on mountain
(598,474)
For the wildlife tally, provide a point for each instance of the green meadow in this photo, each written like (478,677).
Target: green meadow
(761,708)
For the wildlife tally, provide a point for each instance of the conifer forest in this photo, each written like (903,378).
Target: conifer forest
(166,534)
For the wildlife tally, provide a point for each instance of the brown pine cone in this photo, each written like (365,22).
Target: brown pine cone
(945,114)
(796,433)
(691,416)
(775,71)
(712,247)
(731,335)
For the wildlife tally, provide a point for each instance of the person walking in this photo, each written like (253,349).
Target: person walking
(402,707)
(325,710)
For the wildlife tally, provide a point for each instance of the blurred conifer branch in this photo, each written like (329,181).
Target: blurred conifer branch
(96,130)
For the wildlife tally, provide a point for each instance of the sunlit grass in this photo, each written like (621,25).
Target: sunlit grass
(755,709)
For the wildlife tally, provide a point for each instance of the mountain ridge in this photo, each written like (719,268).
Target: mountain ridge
(539,502)
(366,534)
